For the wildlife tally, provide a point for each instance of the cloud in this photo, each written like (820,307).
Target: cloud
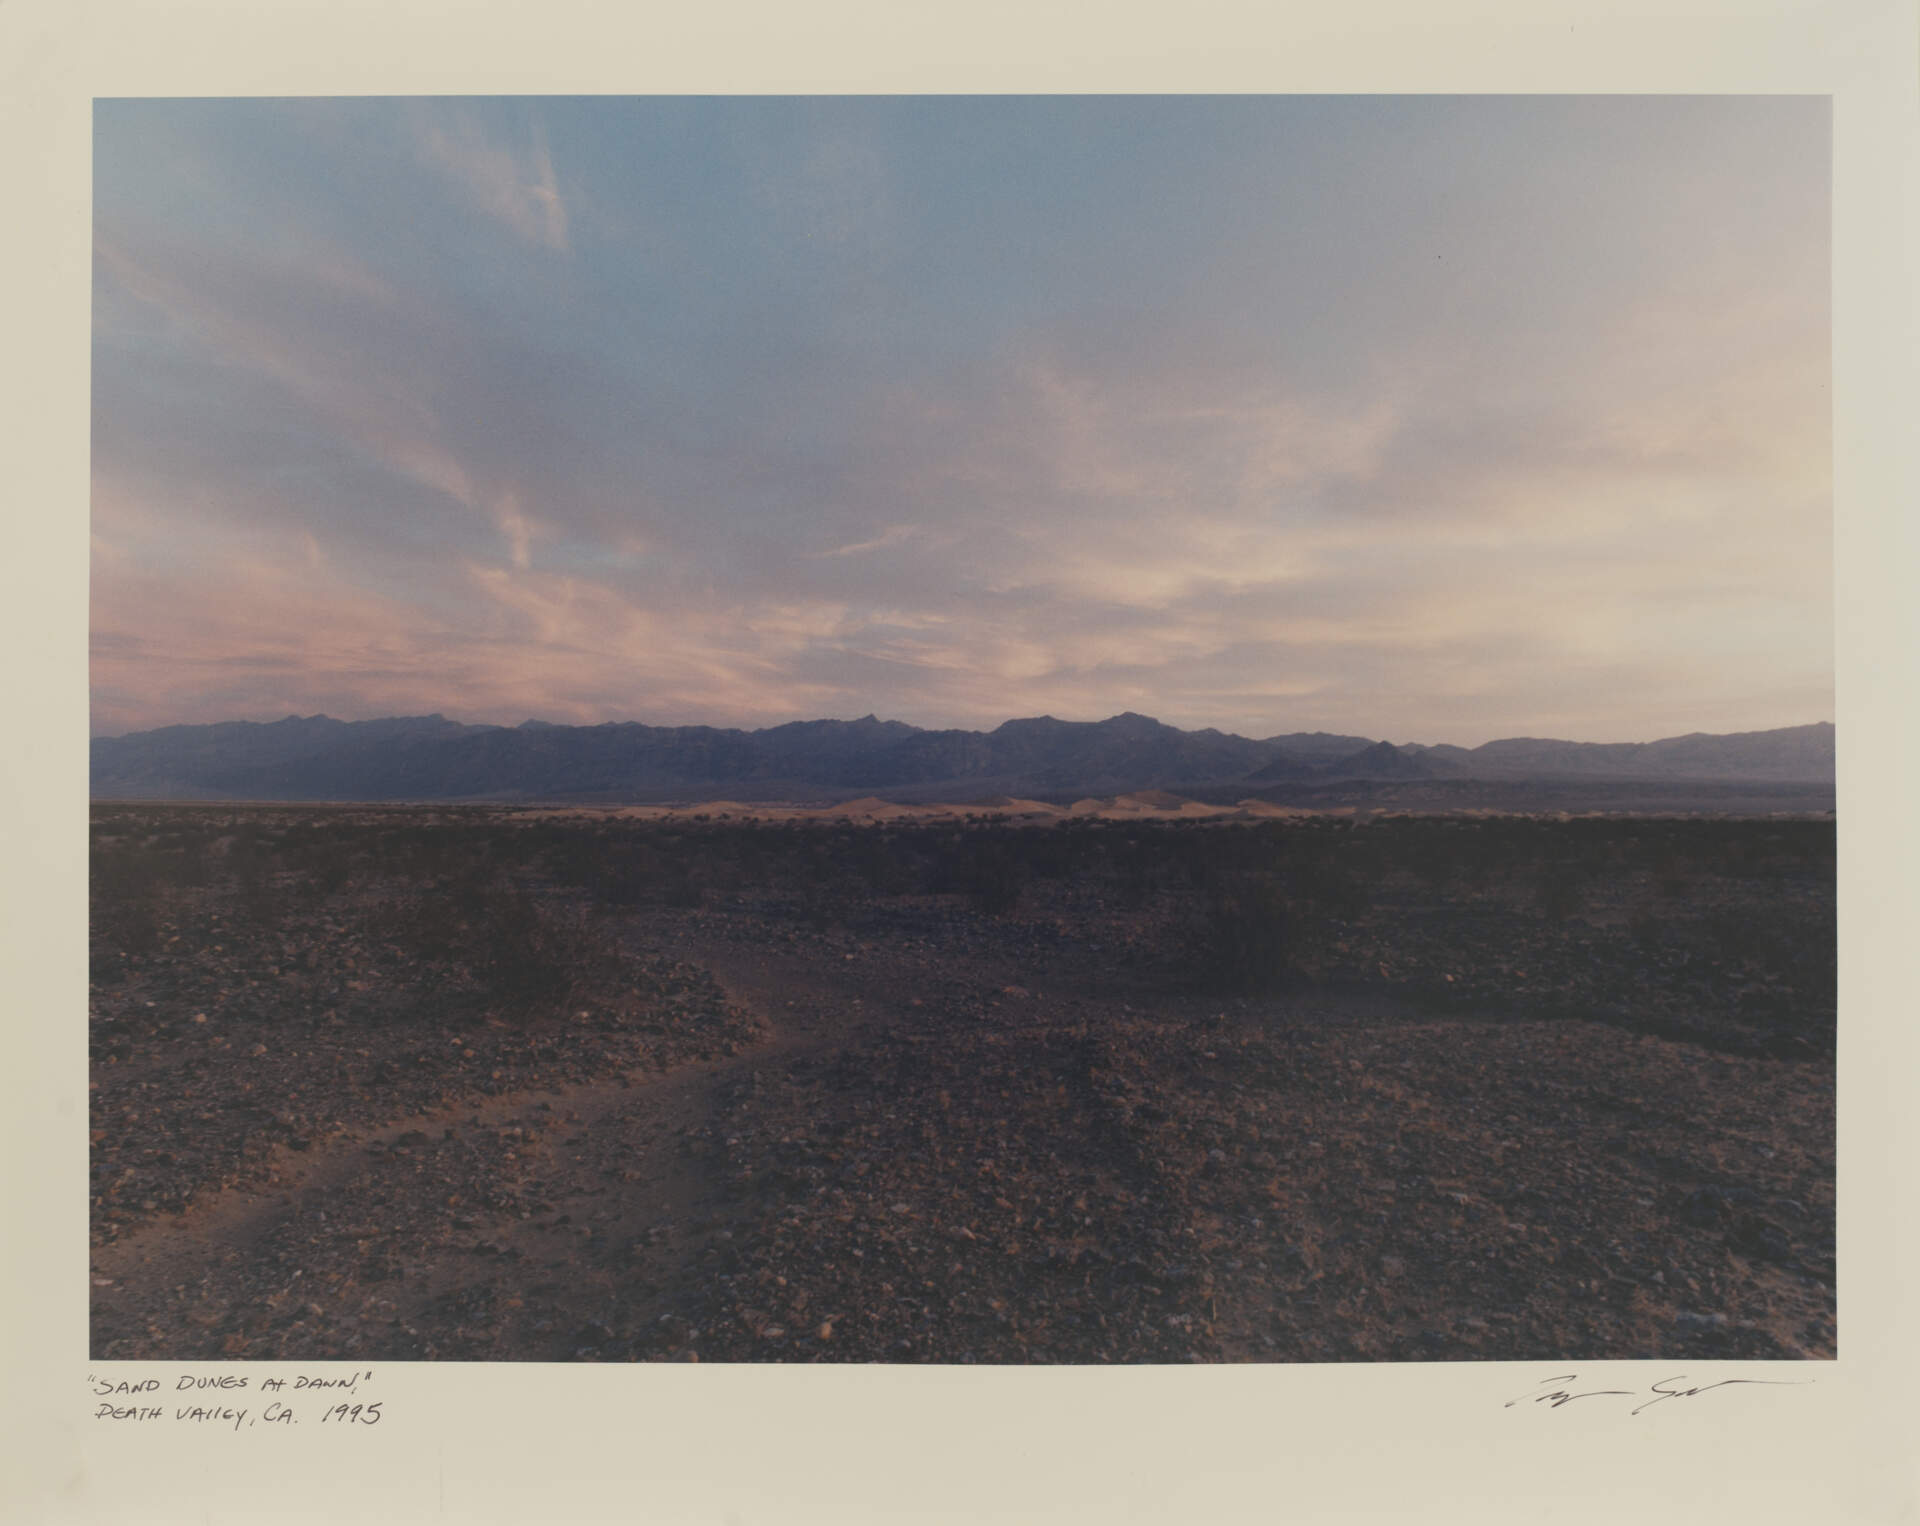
(1270,474)
(516,186)
(891,536)
(359,363)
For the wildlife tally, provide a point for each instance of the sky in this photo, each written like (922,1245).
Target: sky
(1436,419)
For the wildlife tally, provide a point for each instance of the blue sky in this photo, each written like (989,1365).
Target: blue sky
(1432,418)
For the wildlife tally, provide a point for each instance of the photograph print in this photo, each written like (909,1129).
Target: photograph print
(962,729)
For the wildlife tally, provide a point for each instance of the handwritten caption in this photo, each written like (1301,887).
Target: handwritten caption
(1556,1392)
(231,1402)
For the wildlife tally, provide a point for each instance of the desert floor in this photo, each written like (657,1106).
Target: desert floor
(496,1084)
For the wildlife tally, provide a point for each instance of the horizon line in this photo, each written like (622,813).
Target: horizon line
(536,722)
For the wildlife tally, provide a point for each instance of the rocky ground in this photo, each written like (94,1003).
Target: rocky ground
(385,1086)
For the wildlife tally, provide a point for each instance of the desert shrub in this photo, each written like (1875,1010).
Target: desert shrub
(1051,854)
(1561,892)
(1432,856)
(328,873)
(822,904)
(535,955)
(677,876)
(637,870)
(529,953)
(255,871)
(1243,940)
(430,852)
(185,862)
(943,863)
(1480,864)
(125,897)
(443,920)
(1331,887)
(883,861)
(983,864)
(993,875)
(620,874)
(1673,878)
(1137,876)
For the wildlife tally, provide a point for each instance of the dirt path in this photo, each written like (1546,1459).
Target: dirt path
(925,1160)
(613,1197)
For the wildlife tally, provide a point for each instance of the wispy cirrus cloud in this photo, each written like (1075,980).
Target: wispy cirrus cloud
(369,367)
(892,535)
(514,184)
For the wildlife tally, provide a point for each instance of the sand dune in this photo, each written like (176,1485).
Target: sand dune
(1154,805)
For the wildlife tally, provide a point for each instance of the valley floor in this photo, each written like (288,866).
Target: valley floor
(920,1132)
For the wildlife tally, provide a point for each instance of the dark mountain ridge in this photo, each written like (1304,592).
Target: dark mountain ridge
(433,758)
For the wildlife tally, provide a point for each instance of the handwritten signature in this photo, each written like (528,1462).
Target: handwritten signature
(1553,1392)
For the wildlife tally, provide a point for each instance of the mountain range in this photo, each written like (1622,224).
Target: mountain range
(433,758)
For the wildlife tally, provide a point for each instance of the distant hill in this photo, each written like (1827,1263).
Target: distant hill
(1795,754)
(433,758)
